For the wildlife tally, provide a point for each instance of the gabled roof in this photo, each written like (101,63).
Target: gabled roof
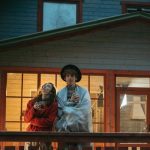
(73,30)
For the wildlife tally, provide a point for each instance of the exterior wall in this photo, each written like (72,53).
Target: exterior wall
(124,47)
(17,17)
(97,9)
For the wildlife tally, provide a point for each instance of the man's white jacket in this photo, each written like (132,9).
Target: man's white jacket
(72,116)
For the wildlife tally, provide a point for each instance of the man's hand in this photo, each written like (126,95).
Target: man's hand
(75,98)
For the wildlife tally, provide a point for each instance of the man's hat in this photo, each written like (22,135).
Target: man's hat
(73,68)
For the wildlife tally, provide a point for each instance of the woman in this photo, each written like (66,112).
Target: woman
(41,112)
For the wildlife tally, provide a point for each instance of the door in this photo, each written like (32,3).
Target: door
(133,114)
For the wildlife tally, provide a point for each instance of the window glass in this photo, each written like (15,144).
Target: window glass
(57,15)
(132,82)
(29,85)
(97,96)
(60,83)
(84,81)
(14,84)
(96,86)
(13,110)
(133,113)
(12,126)
(48,78)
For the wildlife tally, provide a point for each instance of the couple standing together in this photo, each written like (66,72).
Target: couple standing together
(70,109)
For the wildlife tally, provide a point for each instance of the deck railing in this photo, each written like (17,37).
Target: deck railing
(109,141)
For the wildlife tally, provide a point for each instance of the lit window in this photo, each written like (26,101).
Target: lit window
(21,87)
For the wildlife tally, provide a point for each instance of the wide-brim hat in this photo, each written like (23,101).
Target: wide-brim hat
(71,67)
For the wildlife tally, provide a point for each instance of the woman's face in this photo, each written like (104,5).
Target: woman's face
(46,89)
(70,79)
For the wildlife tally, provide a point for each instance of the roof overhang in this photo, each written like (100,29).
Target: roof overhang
(58,34)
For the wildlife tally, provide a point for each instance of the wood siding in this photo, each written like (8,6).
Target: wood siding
(97,9)
(124,47)
(17,18)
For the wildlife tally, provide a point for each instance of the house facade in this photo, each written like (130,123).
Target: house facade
(110,46)
(26,17)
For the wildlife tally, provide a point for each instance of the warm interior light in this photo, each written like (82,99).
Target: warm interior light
(137,112)
(124,101)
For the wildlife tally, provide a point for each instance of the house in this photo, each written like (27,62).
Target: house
(112,53)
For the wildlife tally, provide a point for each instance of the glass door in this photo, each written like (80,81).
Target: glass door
(132,110)
(133,113)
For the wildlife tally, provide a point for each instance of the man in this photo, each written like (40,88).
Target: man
(74,106)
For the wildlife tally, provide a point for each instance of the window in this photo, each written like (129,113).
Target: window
(18,93)
(54,14)
(21,87)
(132,103)
(139,82)
(130,7)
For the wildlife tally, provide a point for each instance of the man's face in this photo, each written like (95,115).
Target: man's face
(70,79)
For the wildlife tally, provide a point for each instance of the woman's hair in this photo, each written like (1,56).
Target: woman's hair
(52,94)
